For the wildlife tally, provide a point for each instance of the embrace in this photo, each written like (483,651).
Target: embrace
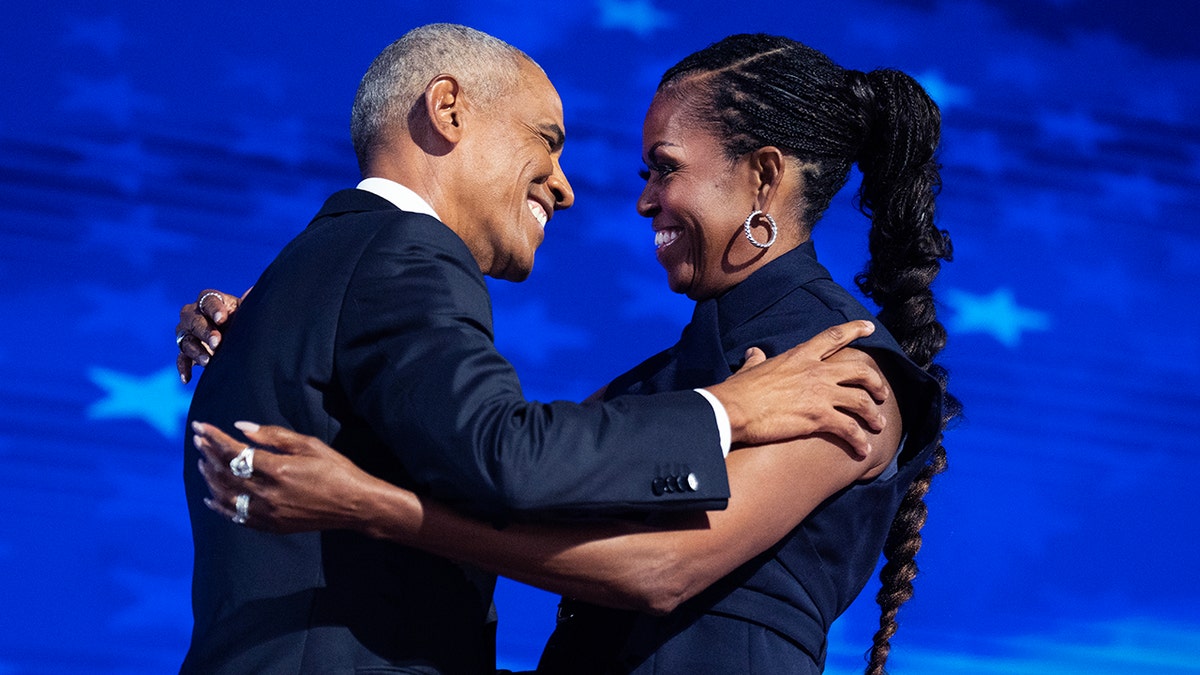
(712,510)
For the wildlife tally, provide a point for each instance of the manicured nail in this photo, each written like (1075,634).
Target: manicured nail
(248,427)
(214,340)
(218,317)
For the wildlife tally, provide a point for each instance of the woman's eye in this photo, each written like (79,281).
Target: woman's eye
(656,169)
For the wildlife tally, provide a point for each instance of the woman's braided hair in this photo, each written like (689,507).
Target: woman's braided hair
(761,90)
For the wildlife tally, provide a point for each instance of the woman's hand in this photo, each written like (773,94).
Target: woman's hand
(196,333)
(296,483)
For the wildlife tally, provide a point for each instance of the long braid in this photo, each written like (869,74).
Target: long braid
(900,181)
(758,90)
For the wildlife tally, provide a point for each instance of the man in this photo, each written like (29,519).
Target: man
(372,331)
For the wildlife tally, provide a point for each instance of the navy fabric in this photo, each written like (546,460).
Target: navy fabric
(372,331)
(773,613)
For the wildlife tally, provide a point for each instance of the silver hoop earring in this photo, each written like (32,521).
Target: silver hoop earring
(750,235)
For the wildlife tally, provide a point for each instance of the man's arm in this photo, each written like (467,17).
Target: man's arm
(301,484)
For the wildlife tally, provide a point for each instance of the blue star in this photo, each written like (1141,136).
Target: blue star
(945,94)
(638,16)
(157,399)
(997,314)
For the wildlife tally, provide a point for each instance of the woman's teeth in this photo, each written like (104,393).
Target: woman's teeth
(665,237)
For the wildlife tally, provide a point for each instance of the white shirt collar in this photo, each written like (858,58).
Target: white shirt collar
(404,198)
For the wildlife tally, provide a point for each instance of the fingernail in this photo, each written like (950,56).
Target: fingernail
(214,340)
(209,503)
(248,427)
(196,427)
(183,378)
(203,360)
(218,317)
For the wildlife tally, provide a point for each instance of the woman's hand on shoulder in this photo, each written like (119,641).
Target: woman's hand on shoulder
(197,334)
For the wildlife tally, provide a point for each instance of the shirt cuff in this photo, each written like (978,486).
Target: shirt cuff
(723,428)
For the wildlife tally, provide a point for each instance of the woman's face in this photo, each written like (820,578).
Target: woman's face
(697,200)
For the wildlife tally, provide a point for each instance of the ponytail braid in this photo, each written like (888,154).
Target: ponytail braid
(757,90)
(900,181)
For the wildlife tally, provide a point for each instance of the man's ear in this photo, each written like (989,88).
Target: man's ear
(444,107)
(767,166)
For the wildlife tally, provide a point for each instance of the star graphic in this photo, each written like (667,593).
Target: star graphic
(638,16)
(157,399)
(997,314)
(945,94)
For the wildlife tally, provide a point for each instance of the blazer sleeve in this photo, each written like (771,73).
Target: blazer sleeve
(415,356)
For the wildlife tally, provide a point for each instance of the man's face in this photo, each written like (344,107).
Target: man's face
(515,183)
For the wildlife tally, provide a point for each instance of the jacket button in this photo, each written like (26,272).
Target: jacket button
(658,485)
(692,482)
(673,484)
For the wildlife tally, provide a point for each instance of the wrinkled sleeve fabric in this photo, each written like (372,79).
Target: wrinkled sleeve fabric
(416,359)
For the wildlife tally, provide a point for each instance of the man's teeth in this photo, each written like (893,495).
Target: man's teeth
(665,237)
(538,212)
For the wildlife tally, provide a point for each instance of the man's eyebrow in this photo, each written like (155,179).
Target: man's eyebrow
(554,134)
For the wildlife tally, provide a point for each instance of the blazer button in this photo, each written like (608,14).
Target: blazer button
(673,484)
(692,482)
(658,485)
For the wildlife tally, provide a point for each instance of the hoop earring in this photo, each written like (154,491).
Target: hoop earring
(750,235)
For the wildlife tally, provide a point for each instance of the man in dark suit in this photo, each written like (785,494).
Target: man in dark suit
(372,331)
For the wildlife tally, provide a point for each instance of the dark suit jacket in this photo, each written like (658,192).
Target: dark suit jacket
(773,613)
(372,331)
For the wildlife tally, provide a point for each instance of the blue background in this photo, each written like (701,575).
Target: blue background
(148,151)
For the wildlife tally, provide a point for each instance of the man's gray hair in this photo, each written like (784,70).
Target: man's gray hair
(397,78)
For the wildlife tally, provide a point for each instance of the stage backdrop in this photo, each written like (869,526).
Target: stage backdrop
(148,150)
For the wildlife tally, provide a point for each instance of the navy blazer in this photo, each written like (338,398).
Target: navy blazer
(773,613)
(372,331)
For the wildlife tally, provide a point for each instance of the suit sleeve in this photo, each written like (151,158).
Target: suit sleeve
(416,358)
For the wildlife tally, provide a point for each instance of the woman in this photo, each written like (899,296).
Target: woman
(755,124)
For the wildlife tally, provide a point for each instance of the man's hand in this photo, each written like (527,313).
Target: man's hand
(196,333)
(804,392)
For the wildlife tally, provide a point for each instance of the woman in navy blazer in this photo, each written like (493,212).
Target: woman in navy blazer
(757,124)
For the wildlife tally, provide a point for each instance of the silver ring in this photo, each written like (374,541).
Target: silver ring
(242,466)
(242,506)
(200,302)
(179,338)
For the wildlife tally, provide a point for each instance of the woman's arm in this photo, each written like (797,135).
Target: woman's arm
(650,568)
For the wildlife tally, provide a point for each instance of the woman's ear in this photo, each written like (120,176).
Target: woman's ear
(444,107)
(767,167)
